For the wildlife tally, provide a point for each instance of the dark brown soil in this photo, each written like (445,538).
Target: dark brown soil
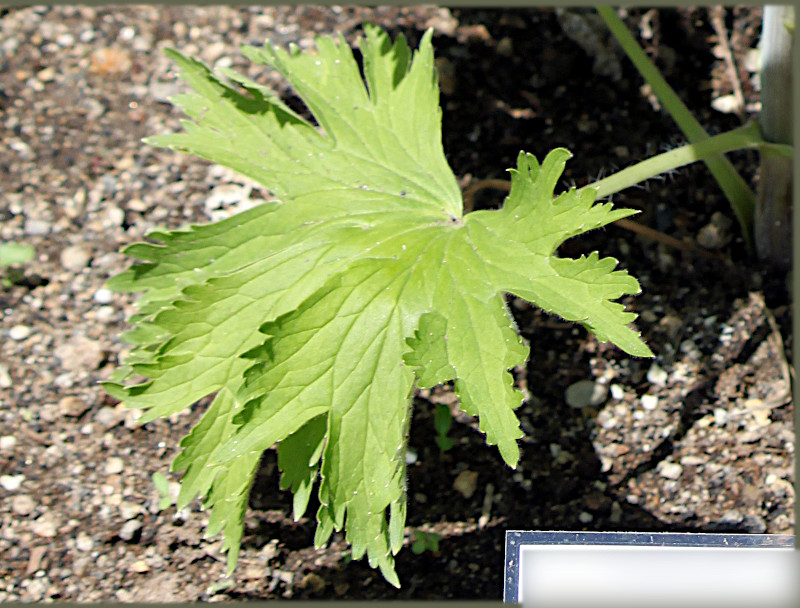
(709,447)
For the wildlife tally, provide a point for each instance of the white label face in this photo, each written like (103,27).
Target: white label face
(645,575)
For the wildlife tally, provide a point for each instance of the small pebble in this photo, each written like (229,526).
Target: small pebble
(23,505)
(127,33)
(312,581)
(607,420)
(617,392)
(75,258)
(7,443)
(84,542)
(731,518)
(63,40)
(505,47)
(104,313)
(716,233)
(45,526)
(129,510)
(466,483)
(131,417)
(5,377)
(36,588)
(649,402)
(585,517)
(129,530)
(11,483)
(140,567)
(72,406)
(114,465)
(656,375)
(224,195)
(19,332)
(112,217)
(107,417)
(586,393)
(103,296)
(726,104)
(670,470)
(47,74)
(64,380)
(35,227)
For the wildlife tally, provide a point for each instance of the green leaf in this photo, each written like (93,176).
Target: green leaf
(312,319)
(15,253)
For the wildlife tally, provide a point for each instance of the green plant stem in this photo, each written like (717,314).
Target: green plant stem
(741,197)
(746,137)
(772,225)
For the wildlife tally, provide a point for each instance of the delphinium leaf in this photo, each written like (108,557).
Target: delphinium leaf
(312,318)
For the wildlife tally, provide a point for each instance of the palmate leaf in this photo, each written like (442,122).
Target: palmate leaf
(311,319)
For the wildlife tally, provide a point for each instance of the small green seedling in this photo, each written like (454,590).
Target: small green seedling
(220,586)
(162,485)
(425,541)
(14,254)
(442,421)
(313,318)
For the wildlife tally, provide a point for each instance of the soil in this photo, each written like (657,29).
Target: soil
(701,439)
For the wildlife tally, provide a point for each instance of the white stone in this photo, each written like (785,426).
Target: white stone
(103,296)
(45,526)
(656,375)
(63,40)
(649,402)
(5,377)
(670,470)
(114,465)
(75,258)
(108,417)
(127,33)
(19,332)
(84,542)
(129,529)
(104,313)
(23,505)
(11,483)
(34,227)
(129,510)
(727,104)
(7,443)
(225,194)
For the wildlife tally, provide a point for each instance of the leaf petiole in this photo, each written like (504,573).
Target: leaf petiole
(745,137)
